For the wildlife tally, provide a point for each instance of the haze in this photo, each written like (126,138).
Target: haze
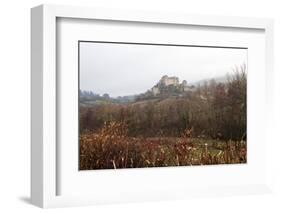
(128,69)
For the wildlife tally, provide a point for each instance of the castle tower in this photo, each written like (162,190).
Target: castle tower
(166,81)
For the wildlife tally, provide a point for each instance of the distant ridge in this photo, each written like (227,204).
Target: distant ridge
(221,79)
(166,87)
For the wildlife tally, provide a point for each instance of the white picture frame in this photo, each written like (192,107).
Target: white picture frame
(44,84)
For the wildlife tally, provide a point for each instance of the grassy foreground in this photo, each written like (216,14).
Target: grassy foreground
(111,148)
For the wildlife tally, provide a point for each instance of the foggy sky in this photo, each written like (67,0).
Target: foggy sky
(127,69)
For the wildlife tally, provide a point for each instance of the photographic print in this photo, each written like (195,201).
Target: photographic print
(161,105)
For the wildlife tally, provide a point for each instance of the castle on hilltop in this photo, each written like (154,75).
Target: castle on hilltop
(170,82)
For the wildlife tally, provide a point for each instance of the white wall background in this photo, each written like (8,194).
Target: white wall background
(15,104)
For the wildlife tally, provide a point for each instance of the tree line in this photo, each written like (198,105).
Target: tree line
(212,110)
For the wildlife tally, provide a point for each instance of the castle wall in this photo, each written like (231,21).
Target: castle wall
(170,81)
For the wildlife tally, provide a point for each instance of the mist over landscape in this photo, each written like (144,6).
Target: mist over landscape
(129,69)
(154,106)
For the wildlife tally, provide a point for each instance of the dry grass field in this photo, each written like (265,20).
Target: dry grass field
(111,148)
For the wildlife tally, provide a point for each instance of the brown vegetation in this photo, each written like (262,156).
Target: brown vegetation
(111,148)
